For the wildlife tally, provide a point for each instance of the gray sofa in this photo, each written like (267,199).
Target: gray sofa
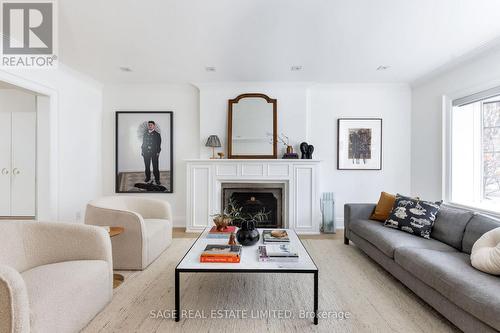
(438,270)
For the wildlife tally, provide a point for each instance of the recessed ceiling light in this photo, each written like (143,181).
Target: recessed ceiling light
(296,68)
(125,69)
(210,68)
(383,67)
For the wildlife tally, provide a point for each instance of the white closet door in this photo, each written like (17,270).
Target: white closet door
(23,164)
(5,166)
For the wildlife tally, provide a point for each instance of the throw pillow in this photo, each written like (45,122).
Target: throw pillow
(485,254)
(414,216)
(384,207)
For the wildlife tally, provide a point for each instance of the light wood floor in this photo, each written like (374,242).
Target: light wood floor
(180,233)
(348,281)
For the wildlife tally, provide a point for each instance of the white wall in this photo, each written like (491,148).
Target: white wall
(306,113)
(477,74)
(74,139)
(392,103)
(182,99)
(309,113)
(292,110)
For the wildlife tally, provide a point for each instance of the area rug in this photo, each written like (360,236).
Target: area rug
(356,295)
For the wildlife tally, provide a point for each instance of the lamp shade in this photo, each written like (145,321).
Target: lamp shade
(213,141)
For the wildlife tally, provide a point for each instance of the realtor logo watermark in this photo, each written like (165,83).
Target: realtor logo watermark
(29,34)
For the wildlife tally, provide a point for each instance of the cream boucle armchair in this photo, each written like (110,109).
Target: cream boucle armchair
(54,277)
(147,223)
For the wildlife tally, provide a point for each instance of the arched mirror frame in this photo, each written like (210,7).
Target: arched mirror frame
(233,101)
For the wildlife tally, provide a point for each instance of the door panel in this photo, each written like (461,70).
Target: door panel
(23,164)
(5,167)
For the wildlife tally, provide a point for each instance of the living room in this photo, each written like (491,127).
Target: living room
(259,165)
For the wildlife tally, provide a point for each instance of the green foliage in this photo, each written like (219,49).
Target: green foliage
(236,213)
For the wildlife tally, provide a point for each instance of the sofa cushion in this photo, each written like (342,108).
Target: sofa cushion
(450,225)
(388,240)
(74,291)
(413,216)
(478,226)
(451,274)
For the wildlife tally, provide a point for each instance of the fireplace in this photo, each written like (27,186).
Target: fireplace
(263,201)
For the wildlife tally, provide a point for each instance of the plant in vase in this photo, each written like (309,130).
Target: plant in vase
(233,211)
(226,218)
(247,233)
(285,141)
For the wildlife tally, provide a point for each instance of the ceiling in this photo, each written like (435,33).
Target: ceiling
(259,40)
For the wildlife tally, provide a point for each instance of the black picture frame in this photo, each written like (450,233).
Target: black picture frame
(118,114)
(339,128)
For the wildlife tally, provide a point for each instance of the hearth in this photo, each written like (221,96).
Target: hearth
(264,199)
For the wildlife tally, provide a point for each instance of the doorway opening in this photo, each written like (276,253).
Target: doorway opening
(19,150)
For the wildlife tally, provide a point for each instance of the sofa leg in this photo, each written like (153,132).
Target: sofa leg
(346,240)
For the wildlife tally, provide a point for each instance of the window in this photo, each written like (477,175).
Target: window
(475,151)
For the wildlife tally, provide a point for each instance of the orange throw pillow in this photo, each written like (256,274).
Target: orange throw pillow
(384,207)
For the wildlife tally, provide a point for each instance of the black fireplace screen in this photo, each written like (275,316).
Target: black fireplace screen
(262,204)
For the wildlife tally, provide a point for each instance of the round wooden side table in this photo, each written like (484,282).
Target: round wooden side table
(117,278)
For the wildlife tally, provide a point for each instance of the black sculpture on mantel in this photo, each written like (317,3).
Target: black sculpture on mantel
(306,150)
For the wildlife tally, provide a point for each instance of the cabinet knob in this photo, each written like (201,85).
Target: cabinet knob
(16,171)
(5,171)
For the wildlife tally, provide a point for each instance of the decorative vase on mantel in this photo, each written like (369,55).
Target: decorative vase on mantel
(289,153)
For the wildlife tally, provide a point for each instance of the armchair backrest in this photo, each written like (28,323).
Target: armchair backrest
(146,207)
(128,203)
(25,245)
(12,245)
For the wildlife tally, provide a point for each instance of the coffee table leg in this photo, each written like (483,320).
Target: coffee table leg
(316,298)
(177,296)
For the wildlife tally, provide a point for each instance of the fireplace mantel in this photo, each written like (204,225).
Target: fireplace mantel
(300,177)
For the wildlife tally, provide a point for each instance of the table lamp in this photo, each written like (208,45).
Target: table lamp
(213,141)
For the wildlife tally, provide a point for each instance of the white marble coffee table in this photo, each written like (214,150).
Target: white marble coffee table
(249,263)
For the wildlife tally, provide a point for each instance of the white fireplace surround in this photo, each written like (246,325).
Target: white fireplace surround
(301,198)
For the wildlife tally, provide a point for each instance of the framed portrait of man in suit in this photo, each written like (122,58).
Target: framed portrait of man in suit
(144,152)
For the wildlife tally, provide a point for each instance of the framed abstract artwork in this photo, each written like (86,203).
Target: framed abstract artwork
(144,152)
(359,144)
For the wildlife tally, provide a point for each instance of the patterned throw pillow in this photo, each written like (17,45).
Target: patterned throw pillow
(413,216)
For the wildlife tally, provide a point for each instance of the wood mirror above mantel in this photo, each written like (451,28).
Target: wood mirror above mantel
(252,127)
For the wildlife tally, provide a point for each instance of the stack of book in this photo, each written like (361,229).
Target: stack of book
(221,253)
(224,234)
(277,236)
(277,252)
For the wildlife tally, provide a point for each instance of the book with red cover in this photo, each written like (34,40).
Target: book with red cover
(220,259)
(229,229)
(221,253)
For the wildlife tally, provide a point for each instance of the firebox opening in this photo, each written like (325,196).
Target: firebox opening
(264,202)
